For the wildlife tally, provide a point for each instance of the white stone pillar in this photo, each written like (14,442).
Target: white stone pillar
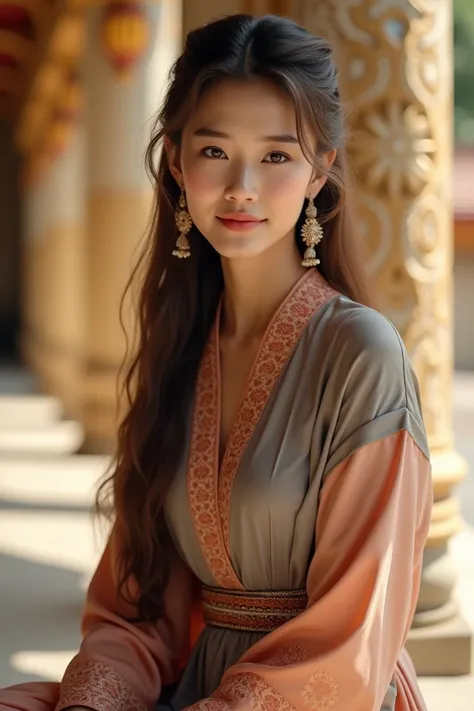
(53,274)
(119,195)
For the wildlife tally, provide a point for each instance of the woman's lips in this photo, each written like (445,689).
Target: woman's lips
(240,222)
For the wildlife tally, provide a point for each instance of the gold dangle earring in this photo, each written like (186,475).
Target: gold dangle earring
(312,234)
(184,223)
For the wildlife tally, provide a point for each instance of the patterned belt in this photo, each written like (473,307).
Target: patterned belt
(251,611)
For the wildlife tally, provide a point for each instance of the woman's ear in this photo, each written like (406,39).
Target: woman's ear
(318,182)
(174,162)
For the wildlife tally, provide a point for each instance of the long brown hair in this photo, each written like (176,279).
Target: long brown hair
(178,298)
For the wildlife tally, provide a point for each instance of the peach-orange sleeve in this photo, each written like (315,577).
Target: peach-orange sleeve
(32,696)
(122,664)
(343,651)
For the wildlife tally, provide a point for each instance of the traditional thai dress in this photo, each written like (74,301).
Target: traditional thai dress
(301,552)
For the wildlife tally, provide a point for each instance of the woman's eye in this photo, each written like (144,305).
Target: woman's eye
(276,157)
(213,152)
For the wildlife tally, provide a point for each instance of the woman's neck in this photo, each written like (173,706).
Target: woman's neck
(254,289)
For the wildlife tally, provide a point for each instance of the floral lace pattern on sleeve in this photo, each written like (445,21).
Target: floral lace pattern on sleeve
(99,687)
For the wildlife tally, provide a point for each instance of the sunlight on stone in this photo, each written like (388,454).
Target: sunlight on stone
(45,481)
(62,539)
(48,665)
(462,547)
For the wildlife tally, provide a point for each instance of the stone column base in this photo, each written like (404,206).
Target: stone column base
(99,415)
(445,649)
(57,368)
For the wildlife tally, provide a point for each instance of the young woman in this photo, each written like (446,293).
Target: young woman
(272,488)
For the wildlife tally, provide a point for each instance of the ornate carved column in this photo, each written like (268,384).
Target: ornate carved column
(395,58)
(130,48)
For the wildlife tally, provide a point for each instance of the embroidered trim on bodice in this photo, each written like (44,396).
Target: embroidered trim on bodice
(209,491)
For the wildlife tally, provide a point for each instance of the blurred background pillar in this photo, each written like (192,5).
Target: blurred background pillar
(197,13)
(396,76)
(35,268)
(53,333)
(129,51)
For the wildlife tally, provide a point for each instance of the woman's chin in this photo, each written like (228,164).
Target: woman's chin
(239,247)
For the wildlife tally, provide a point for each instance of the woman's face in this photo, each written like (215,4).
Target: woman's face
(242,167)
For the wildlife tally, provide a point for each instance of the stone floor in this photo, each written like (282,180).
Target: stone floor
(49,547)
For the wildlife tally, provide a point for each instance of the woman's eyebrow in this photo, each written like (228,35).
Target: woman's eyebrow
(280,138)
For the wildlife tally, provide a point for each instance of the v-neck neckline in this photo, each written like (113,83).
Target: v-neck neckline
(217,336)
(241,400)
(209,480)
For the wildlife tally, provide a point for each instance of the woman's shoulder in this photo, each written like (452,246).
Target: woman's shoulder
(366,361)
(360,332)
(368,377)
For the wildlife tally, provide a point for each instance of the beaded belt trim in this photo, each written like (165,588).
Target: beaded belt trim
(251,611)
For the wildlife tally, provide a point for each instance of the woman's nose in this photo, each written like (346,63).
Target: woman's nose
(242,187)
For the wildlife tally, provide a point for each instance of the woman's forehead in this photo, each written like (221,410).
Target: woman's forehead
(256,107)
